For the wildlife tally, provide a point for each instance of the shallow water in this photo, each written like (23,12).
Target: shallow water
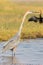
(28,52)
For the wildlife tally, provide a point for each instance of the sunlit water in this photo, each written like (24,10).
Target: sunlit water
(28,52)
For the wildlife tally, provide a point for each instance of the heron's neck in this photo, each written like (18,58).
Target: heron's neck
(21,26)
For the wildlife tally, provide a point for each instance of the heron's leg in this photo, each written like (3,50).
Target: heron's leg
(2,56)
(14,53)
(12,56)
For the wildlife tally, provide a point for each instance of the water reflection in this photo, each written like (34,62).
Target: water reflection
(8,60)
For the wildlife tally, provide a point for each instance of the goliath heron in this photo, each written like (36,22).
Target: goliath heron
(14,41)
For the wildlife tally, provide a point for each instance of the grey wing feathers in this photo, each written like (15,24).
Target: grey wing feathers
(11,43)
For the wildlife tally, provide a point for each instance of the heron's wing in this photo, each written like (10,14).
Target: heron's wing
(11,43)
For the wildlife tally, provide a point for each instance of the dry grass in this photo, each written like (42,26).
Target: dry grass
(11,15)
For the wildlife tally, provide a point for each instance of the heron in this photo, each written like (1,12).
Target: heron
(15,40)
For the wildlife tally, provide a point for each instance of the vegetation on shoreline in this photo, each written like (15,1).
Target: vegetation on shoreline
(11,15)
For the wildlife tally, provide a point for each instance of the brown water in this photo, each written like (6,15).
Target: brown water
(29,52)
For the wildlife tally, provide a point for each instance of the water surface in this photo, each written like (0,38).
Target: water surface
(28,52)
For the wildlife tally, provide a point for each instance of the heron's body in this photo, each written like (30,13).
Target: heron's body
(12,43)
